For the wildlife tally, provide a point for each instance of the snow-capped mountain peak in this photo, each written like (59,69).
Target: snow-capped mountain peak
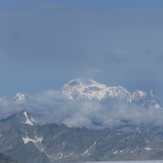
(90,89)
(137,95)
(21,118)
(20,96)
(84,88)
(80,83)
(140,93)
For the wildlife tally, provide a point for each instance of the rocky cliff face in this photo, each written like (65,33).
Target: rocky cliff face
(6,159)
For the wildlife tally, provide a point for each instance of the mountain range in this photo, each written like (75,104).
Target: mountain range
(79,89)
(118,108)
(90,89)
(24,140)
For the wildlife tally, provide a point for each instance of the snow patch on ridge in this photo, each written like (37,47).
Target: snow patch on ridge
(28,121)
(87,151)
(148,149)
(34,141)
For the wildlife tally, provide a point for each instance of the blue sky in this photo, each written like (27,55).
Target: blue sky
(44,44)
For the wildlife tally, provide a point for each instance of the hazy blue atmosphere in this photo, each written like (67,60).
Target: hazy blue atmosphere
(44,44)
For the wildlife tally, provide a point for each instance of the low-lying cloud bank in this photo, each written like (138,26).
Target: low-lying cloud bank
(51,106)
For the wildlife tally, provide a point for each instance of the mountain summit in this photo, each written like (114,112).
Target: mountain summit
(90,89)
(20,96)
(24,117)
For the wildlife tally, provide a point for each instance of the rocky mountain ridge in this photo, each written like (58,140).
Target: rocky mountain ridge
(53,143)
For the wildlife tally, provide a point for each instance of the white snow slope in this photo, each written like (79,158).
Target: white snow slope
(91,89)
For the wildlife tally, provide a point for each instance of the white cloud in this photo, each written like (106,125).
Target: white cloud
(78,120)
(51,106)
